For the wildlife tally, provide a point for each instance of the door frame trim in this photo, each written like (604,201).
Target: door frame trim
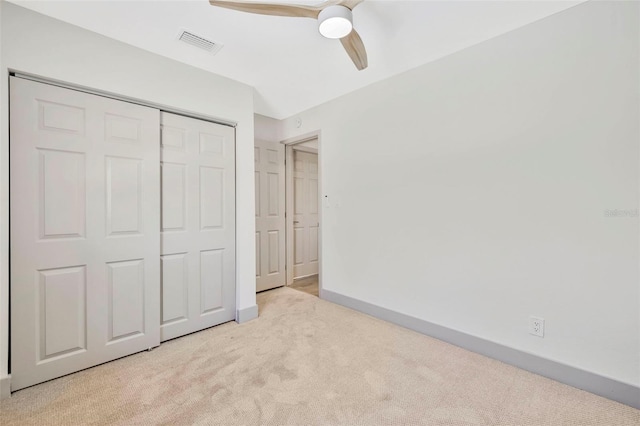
(289,146)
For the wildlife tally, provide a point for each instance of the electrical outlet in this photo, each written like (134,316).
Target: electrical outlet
(536,326)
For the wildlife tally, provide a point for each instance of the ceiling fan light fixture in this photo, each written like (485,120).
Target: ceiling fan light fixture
(335,21)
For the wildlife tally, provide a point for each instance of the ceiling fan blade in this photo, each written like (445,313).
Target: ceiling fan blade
(355,48)
(296,11)
(350,3)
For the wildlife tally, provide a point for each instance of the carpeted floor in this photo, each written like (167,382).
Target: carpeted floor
(307,361)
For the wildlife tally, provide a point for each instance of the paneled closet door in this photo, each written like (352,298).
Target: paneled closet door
(198,225)
(270,219)
(85,245)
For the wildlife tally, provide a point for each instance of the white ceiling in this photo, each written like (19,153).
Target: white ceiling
(291,66)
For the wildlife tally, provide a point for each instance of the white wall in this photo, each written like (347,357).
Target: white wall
(471,192)
(266,128)
(39,45)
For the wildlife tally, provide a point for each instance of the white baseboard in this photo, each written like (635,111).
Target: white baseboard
(591,382)
(5,386)
(247,314)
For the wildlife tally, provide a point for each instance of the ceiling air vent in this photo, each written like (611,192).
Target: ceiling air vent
(199,42)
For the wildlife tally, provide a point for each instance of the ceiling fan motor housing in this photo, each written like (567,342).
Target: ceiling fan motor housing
(335,21)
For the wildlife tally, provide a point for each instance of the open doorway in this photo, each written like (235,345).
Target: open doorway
(303,215)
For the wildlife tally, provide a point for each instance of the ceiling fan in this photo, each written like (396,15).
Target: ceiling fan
(334,20)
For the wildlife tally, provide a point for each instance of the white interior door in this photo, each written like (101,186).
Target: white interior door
(198,225)
(85,245)
(305,214)
(270,219)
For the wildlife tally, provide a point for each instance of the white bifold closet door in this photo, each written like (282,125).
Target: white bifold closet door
(198,225)
(85,245)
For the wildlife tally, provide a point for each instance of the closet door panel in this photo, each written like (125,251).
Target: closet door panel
(85,220)
(198,225)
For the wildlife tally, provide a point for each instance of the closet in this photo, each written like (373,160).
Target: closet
(122,228)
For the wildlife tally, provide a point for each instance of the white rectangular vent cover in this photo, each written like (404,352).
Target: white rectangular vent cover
(199,42)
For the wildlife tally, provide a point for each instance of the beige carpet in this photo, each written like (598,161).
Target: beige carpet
(307,361)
